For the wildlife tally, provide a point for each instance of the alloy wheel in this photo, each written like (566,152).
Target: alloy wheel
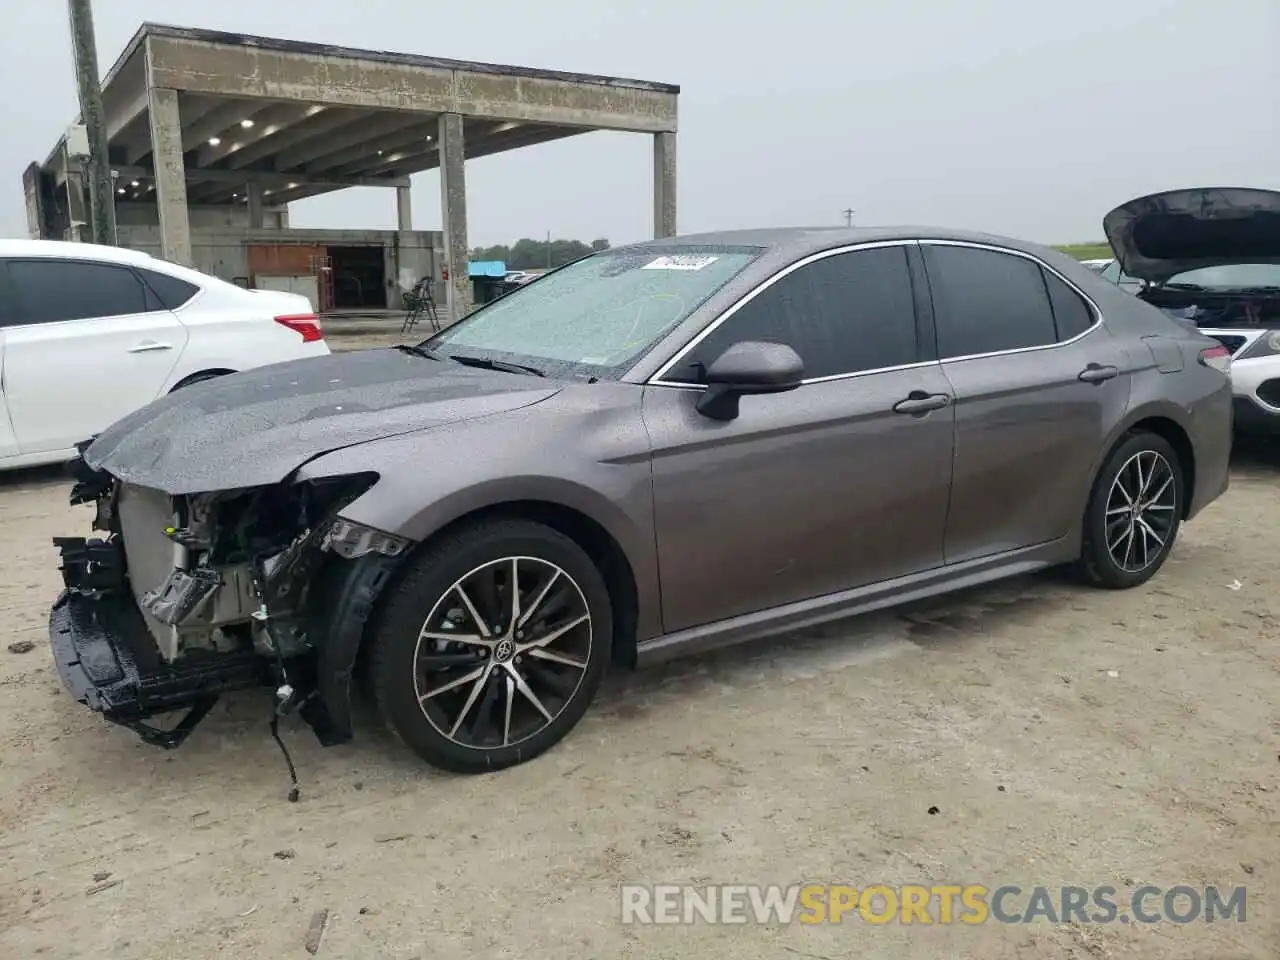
(502,652)
(1141,511)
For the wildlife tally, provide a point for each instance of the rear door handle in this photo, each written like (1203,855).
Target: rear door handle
(1097,373)
(146,346)
(918,403)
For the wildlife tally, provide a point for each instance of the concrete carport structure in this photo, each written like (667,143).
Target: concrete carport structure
(207,117)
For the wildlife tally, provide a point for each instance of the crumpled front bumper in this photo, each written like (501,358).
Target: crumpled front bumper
(107,661)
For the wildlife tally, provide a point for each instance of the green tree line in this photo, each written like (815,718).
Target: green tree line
(529,254)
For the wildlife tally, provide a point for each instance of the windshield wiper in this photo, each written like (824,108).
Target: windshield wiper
(1195,287)
(415,349)
(485,363)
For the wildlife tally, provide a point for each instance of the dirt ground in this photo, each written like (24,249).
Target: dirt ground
(1064,736)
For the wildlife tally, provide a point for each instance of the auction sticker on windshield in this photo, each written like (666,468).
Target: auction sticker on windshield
(678,262)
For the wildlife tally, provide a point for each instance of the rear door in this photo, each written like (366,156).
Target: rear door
(92,344)
(8,315)
(1038,383)
(832,486)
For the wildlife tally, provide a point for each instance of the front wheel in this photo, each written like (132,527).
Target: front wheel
(492,645)
(1134,513)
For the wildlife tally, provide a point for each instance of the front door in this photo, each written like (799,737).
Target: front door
(1038,382)
(91,346)
(810,492)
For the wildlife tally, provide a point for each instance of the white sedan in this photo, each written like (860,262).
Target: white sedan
(90,333)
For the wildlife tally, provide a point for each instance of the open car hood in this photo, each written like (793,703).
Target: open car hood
(255,428)
(1164,234)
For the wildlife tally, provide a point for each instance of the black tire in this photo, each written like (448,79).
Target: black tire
(199,378)
(1111,554)
(399,678)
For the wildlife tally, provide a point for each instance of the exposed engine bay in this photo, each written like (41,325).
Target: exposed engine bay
(1218,308)
(189,596)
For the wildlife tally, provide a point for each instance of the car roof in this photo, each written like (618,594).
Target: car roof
(789,242)
(63,248)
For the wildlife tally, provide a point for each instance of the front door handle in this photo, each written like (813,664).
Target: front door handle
(918,403)
(146,346)
(1097,373)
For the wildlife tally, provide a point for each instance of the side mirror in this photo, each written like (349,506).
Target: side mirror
(749,367)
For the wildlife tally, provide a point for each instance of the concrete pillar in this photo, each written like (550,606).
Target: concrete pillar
(256,217)
(664,185)
(404,209)
(171,175)
(453,206)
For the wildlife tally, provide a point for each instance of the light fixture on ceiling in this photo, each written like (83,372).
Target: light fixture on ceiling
(292,186)
(214,141)
(246,123)
(379,153)
(135,184)
(121,190)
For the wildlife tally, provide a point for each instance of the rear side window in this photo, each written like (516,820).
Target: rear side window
(1071,313)
(170,293)
(842,314)
(52,291)
(986,301)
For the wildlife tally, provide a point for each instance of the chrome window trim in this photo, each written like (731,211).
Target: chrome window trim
(656,379)
(1093,307)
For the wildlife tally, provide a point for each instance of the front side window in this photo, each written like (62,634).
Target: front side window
(986,301)
(845,313)
(597,316)
(52,291)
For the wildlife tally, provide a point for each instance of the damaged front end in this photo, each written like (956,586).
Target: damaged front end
(186,597)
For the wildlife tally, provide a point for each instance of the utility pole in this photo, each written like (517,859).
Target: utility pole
(102,201)
(548,249)
(848,216)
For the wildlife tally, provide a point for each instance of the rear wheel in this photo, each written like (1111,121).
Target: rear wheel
(1134,513)
(492,645)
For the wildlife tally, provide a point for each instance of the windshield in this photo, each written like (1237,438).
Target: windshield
(596,316)
(1231,276)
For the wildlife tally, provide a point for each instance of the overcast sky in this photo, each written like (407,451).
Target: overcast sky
(992,114)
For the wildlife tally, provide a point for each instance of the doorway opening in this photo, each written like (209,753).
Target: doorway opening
(359,277)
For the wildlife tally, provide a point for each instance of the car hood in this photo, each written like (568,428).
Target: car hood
(255,428)
(1164,234)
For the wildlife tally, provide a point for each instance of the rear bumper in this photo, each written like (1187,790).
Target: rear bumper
(107,661)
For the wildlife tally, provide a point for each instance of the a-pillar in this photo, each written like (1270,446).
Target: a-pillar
(256,218)
(664,185)
(453,207)
(171,175)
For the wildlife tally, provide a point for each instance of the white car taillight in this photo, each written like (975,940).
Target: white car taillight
(1218,357)
(307,324)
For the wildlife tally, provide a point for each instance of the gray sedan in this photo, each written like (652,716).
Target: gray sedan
(656,450)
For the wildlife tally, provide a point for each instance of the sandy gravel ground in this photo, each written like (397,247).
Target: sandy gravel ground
(1064,736)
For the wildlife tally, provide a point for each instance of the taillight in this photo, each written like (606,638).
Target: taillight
(307,324)
(1218,357)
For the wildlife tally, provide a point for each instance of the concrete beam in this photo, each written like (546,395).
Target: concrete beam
(171,180)
(359,159)
(118,120)
(403,163)
(453,207)
(664,185)
(404,83)
(266,119)
(318,121)
(268,178)
(363,132)
(217,121)
(255,206)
